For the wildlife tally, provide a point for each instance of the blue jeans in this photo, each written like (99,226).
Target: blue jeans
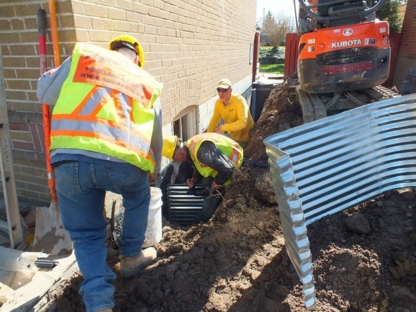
(81,188)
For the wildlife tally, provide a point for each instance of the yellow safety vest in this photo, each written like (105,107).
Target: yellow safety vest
(229,147)
(106,106)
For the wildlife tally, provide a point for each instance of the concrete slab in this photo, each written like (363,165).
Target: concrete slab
(267,78)
(22,284)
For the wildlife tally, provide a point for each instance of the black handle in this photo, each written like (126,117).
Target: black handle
(41,22)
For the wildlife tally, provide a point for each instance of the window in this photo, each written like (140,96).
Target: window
(185,125)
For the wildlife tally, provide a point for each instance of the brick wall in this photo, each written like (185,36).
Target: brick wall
(189,45)
(408,45)
(407,53)
(21,69)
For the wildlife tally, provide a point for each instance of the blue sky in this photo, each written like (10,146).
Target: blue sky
(276,7)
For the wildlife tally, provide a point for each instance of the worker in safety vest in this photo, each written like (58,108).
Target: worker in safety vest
(105,136)
(213,155)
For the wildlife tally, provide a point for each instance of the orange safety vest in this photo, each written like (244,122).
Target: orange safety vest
(106,106)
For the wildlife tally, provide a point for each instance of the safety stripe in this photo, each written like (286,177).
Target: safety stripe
(87,100)
(93,102)
(110,139)
(192,148)
(119,108)
(129,101)
(136,139)
(110,123)
(234,156)
(88,109)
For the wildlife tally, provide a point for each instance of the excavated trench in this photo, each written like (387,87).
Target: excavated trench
(237,261)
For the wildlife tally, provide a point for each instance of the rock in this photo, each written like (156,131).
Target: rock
(264,187)
(358,224)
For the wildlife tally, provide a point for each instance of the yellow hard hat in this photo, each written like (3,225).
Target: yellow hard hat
(169,146)
(130,42)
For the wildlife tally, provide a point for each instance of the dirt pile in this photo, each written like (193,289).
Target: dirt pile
(364,257)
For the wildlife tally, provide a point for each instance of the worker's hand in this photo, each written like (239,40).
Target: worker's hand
(218,130)
(152,178)
(215,186)
(191,182)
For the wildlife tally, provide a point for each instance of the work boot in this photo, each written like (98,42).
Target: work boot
(130,266)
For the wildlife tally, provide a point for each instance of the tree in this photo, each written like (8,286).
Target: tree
(268,23)
(276,28)
(390,12)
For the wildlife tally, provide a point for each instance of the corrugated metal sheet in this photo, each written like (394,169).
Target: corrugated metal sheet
(338,162)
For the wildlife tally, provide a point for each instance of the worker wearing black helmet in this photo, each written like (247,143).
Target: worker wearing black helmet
(106,135)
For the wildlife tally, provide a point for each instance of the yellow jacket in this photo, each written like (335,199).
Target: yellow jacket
(237,118)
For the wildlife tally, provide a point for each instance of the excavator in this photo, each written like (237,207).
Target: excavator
(344,56)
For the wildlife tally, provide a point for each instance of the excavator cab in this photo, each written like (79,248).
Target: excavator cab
(327,8)
(342,46)
(343,56)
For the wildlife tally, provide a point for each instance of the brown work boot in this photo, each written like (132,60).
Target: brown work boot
(130,266)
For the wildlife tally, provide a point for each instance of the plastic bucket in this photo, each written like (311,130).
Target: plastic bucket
(154,222)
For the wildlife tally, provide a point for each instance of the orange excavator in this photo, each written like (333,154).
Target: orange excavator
(344,56)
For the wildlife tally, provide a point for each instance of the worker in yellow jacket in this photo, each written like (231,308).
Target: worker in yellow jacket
(235,113)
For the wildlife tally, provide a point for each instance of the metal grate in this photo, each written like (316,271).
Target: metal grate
(184,205)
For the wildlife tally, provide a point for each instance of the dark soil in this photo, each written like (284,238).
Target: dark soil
(364,258)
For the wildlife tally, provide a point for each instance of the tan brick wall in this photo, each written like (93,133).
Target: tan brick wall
(21,68)
(189,45)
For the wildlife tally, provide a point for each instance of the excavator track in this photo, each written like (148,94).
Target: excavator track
(316,106)
(312,106)
(387,93)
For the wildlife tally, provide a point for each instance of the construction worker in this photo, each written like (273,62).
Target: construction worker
(105,136)
(235,113)
(213,156)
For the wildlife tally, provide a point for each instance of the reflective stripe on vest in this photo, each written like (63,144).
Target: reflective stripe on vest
(104,120)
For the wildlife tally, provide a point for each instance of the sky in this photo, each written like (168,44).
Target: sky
(276,7)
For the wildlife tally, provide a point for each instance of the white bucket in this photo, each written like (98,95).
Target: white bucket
(154,222)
